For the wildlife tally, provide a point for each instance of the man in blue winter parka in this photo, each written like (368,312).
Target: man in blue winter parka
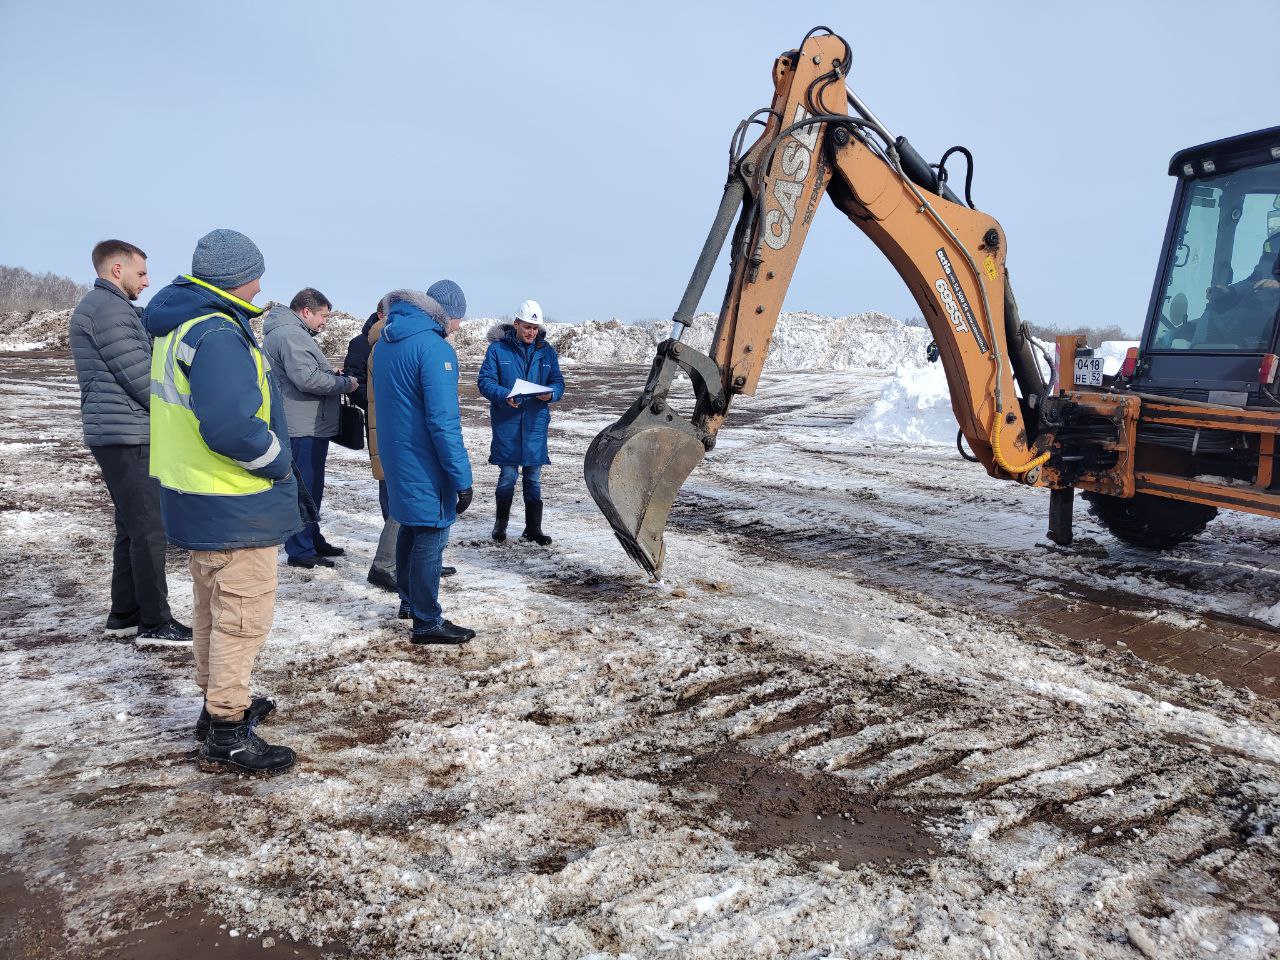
(519,351)
(424,461)
(220,449)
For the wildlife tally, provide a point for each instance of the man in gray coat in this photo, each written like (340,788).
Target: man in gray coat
(112,353)
(312,391)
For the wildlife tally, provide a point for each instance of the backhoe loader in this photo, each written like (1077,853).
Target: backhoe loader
(1188,425)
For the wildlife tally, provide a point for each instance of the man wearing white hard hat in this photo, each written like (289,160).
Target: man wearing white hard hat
(520,377)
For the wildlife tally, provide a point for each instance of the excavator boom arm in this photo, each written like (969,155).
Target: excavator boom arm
(951,257)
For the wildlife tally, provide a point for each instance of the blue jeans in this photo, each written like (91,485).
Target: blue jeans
(418,559)
(532,483)
(309,455)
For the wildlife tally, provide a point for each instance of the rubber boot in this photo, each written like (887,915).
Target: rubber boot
(233,746)
(533,523)
(500,524)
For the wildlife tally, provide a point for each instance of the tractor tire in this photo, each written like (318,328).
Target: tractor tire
(1150,522)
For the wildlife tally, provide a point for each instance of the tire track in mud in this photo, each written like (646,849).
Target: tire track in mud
(995,785)
(989,794)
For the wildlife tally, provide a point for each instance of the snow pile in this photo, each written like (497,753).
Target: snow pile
(915,407)
(609,341)
(35,329)
(595,341)
(801,341)
(808,341)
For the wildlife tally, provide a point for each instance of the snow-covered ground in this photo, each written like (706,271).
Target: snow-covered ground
(865,715)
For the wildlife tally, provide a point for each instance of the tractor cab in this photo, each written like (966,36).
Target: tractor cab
(1211,330)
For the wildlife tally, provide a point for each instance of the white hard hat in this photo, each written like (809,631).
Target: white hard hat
(530,312)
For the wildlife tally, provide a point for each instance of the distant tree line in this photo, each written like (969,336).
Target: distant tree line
(20,289)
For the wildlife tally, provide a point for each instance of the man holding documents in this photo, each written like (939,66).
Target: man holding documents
(519,377)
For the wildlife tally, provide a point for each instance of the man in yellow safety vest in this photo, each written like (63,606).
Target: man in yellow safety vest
(220,449)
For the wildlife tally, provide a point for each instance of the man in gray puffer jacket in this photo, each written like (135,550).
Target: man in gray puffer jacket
(112,353)
(312,391)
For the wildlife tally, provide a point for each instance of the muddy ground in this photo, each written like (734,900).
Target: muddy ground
(870,712)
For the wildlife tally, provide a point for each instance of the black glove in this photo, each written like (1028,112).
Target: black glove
(464,500)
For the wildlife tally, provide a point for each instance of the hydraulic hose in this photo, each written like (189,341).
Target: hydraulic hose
(1004,464)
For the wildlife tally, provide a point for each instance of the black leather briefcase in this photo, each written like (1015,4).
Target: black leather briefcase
(350,425)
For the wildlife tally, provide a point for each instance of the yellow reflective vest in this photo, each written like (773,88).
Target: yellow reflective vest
(180,459)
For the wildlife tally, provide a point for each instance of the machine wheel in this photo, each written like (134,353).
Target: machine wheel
(1153,523)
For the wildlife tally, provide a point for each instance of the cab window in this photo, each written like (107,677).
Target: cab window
(1222,285)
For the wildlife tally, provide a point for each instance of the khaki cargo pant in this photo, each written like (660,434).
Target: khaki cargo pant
(235,603)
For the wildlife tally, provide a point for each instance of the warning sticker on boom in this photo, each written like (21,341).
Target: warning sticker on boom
(956,303)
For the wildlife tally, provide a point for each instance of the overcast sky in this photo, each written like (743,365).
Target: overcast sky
(575,153)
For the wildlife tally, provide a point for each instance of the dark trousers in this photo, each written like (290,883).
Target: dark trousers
(138,584)
(419,555)
(309,455)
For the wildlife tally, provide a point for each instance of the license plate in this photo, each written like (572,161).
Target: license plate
(1089,371)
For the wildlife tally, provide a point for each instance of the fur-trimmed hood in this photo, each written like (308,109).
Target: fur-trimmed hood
(410,312)
(418,299)
(507,331)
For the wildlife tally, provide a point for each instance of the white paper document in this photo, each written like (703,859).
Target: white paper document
(524,388)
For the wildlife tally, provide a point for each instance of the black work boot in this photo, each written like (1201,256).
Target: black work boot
(500,524)
(233,746)
(259,709)
(533,523)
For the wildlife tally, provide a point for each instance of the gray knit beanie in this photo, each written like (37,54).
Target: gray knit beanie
(227,259)
(449,295)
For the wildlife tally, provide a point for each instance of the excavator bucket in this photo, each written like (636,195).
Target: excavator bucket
(635,468)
